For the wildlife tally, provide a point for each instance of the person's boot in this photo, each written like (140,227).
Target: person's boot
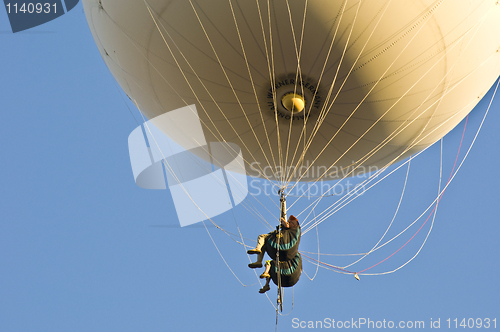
(264,289)
(255,265)
(254,251)
(258,263)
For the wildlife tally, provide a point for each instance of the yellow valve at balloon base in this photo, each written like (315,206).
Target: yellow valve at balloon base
(293,102)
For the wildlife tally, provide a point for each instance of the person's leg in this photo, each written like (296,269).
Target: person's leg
(266,287)
(258,250)
(260,242)
(266,272)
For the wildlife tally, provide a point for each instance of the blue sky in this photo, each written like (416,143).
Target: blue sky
(82,248)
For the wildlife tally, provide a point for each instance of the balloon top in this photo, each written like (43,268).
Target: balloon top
(293,102)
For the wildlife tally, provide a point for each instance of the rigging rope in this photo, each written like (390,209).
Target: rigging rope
(437,200)
(283,160)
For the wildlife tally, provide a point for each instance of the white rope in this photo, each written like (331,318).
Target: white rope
(200,81)
(254,90)
(436,200)
(284,159)
(444,122)
(392,220)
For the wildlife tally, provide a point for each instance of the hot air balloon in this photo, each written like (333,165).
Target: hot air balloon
(334,84)
(305,89)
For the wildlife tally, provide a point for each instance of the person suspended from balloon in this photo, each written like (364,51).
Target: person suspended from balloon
(283,243)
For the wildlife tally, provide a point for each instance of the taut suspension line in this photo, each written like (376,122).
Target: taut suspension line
(278,238)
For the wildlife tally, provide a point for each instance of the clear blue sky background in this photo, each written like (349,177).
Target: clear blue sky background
(82,248)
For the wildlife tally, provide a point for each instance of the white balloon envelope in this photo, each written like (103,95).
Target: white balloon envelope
(372,82)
